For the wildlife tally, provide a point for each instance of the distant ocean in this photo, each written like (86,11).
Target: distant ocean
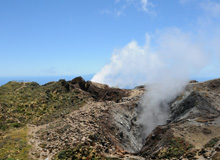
(45,79)
(41,79)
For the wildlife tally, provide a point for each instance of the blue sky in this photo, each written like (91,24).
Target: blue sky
(69,37)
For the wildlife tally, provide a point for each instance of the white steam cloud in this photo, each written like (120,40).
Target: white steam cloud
(164,67)
(174,56)
(166,62)
(180,57)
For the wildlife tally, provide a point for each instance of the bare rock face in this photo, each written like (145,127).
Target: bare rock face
(193,130)
(198,99)
(191,106)
(122,126)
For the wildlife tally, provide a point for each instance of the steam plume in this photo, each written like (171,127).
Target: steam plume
(165,67)
(173,54)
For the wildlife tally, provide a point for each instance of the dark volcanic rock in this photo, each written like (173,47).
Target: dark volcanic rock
(106,94)
(78,82)
(100,94)
(193,81)
(192,106)
(155,140)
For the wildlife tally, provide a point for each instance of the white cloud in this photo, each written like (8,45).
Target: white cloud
(120,7)
(146,5)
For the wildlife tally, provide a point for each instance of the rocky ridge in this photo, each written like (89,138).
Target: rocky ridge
(105,125)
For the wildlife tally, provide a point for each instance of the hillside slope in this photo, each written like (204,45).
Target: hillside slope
(84,120)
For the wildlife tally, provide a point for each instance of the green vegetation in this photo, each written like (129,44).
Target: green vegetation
(176,148)
(13,145)
(79,152)
(82,152)
(22,103)
(212,142)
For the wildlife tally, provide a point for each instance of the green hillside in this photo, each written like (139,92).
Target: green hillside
(22,103)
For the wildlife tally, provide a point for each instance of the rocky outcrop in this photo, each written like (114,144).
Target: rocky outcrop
(198,100)
(192,127)
(122,126)
(99,92)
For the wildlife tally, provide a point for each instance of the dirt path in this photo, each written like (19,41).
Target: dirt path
(75,127)
(32,140)
(21,86)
